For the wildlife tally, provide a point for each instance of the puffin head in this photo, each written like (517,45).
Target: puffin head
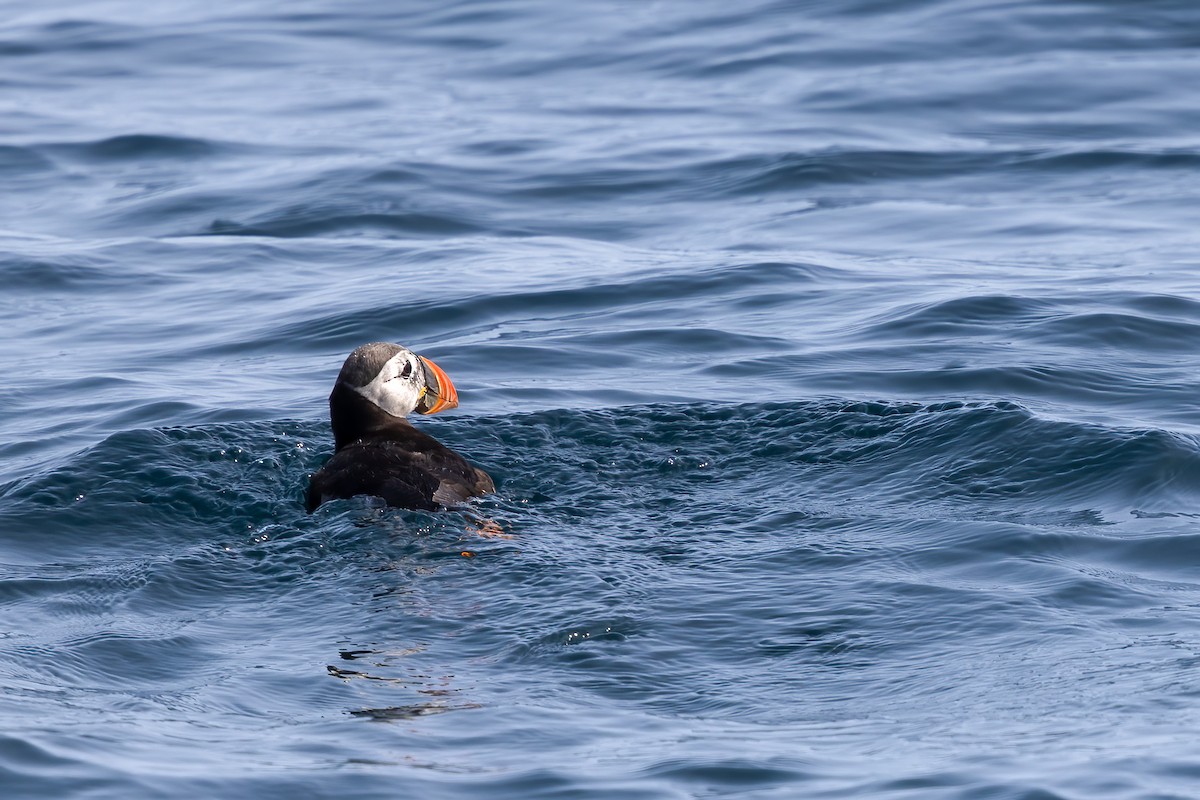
(396,380)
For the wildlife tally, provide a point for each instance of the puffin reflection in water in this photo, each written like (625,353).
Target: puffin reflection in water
(376,450)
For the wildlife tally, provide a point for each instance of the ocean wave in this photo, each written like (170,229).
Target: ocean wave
(138,147)
(946,460)
(655,556)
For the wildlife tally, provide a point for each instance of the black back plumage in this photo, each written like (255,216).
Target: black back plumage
(383,455)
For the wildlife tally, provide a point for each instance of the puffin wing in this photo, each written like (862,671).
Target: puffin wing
(454,490)
(374,469)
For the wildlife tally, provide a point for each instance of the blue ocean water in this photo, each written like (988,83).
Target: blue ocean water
(836,363)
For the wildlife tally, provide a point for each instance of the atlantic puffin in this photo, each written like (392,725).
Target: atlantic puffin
(376,450)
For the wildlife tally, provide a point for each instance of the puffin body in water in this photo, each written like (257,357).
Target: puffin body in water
(376,451)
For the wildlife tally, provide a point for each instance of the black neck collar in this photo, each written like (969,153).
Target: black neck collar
(354,417)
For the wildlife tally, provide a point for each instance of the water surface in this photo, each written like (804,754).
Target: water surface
(836,364)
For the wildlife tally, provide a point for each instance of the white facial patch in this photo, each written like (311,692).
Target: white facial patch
(398,386)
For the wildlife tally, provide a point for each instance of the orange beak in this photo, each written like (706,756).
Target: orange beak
(441,394)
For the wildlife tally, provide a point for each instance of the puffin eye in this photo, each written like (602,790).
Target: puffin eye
(404,373)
